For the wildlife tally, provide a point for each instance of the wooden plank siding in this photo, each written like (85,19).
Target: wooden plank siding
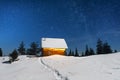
(53,51)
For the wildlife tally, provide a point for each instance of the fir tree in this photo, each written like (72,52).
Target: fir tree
(106,48)
(13,55)
(76,53)
(70,53)
(1,52)
(28,52)
(82,54)
(33,49)
(87,51)
(21,48)
(91,52)
(73,53)
(99,46)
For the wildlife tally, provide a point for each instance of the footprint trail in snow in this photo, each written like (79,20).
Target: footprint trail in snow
(57,74)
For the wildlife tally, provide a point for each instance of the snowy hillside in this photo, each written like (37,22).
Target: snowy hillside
(98,67)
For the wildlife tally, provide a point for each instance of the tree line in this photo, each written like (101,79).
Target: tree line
(101,48)
(33,50)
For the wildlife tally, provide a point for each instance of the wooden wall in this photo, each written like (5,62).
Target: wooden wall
(53,51)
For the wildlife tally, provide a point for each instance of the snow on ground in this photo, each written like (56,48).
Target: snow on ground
(98,67)
(56,67)
(24,69)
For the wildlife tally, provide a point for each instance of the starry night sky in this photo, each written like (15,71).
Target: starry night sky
(80,22)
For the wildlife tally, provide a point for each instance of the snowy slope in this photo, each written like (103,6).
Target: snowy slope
(24,69)
(98,67)
(56,67)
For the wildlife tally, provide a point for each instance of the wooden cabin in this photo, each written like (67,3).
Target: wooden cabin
(52,46)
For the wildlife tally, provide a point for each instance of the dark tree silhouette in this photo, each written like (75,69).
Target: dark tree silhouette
(13,55)
(91,52)
(34,49)
(1,52)
(82,54)
(115,50)
(87,51)
(99,46)
(73,53)
(28,52)
(21,48)
(76,53)
(106,48)
(70,53)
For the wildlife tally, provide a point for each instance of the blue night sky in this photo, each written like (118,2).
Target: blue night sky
(80,22)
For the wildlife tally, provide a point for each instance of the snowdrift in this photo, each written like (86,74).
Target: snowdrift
(56,67)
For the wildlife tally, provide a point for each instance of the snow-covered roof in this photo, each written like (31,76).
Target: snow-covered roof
(53,43)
